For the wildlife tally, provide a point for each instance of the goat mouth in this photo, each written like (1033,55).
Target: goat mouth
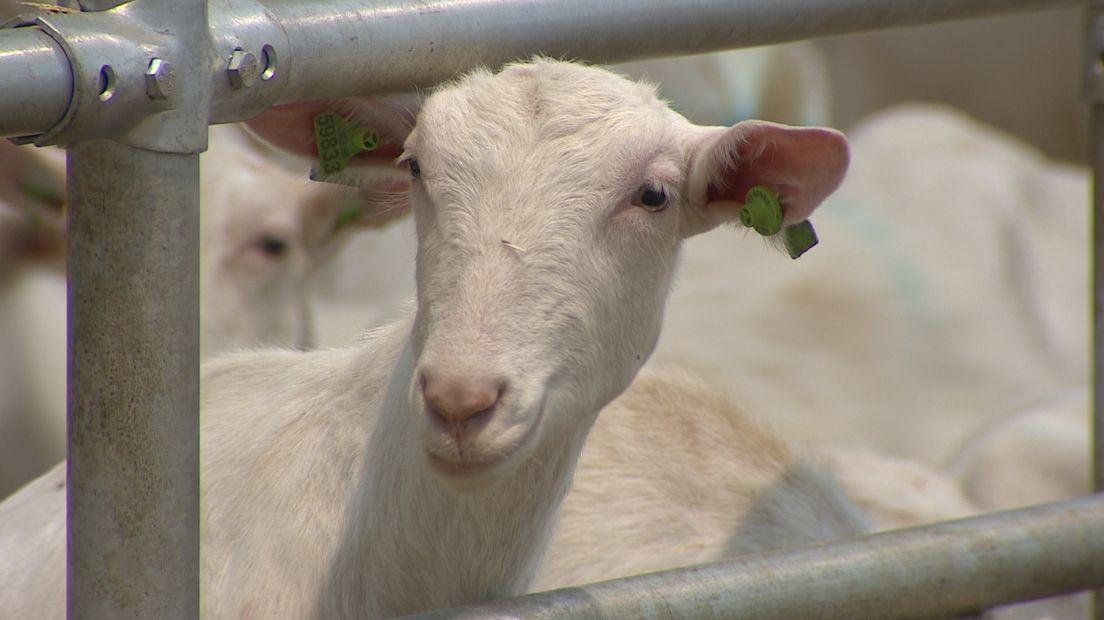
(463,469)
(457,466)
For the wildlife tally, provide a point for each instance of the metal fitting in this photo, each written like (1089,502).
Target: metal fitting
(242,69)
(160,79)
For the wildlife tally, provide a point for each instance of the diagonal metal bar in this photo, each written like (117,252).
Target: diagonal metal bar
(938,571)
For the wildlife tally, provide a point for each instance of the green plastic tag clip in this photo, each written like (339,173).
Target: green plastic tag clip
(350,215)
(763,211)
(339,140)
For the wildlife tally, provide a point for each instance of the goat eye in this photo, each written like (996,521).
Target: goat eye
(415,169)
(651,198)
(272,246)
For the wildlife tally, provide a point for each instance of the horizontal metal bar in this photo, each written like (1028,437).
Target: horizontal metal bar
(35,82)
(344,46)
(936,571)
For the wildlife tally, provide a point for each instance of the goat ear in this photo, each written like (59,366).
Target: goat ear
(802,165)
(291,127)
(332,213)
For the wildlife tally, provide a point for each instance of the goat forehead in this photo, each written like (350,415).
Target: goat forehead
(548,115)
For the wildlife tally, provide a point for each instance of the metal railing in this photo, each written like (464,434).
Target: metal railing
(946,570)
(131,88)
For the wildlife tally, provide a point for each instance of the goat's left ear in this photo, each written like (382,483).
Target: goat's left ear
(802,165)
(331,213)
(291,128)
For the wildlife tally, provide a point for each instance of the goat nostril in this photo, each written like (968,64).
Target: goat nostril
(457,400)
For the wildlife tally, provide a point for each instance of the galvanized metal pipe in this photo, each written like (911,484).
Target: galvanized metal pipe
(133,491)
(939,571)
(133,335)
(1098,315)
(1094,91)
(36,82)
(341,47)
(347,46)
(1098,295)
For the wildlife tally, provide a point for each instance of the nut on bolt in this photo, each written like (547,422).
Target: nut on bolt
(242,69)
(160,79)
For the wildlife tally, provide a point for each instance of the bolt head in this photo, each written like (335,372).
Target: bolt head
(160,79)
(242,69)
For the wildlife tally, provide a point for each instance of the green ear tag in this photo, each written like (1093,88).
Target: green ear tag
(799,238)
(350,215)
(762,211)
(338,140)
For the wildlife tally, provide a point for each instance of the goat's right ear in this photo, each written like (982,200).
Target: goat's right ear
(290,127)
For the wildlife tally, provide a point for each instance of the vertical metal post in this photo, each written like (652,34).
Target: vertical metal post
(1094,90)
(133,383)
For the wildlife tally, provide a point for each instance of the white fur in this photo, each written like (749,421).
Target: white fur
(897,492)
(948,287)
(782,83)
(330,491)
(32,376)
(32,312)
(249,297)
(1034,456)
(675,474)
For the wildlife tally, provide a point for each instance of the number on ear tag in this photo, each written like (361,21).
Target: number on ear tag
(338,141)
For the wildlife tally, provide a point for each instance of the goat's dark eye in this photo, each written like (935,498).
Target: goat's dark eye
(415,169)
(651,198)
(272,246)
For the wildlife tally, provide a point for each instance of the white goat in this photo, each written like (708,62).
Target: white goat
(32,307)
(424,467)
(264,231)
(949,285)
(928,308)
(673,474)
(783,83)
(1034,456)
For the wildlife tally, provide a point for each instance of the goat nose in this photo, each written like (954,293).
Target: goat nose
(457,399)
